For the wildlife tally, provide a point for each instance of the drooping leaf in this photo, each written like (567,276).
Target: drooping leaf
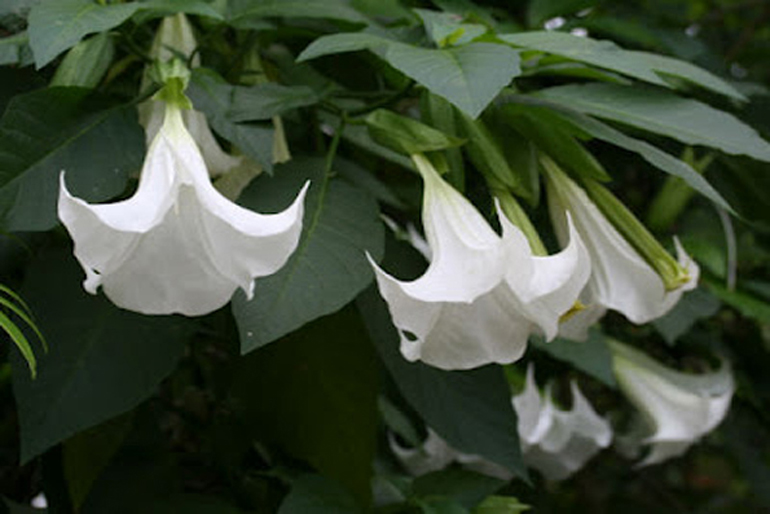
(451,73)
(102,360)
(48,131)
(591,356)
(315,494)
(241,11)
(315,394)
(596,128)
(57,25)
(328,268)
(606,54)
(686,120)
(471,410)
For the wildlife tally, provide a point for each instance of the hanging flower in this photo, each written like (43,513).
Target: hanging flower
(482,294)
(556,442)
(677,408)
(621,279)
(176,246)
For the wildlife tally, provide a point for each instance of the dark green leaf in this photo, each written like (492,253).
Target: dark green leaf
(102,360)
(211,95)
(745,303)
(154,8)
(471,410)
(605,54)
(439,113)
(62,129)
(500,505)
(448,29)
(315,394)
(591,356)
(686,120)
(260,102)
(329,267)
(695,305)
(314,494)
(86,63)
(464,487)
(406,135)
(452,73)
(57,25)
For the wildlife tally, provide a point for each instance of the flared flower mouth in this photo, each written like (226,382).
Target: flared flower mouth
(177,245)
(678,408)
(483,294)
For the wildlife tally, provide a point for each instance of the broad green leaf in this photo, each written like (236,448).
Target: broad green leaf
(591,356)
(86,63)
(211,95)
(406,135)
(597,129)
(471,410)
(464,487)
(314,494)
(328,268)
(606,54)
(263,101)
(102,360)
(452,73)
(57,25)
(315,394)
(686,120)
(744,302)
(242,10)
(62,129)
(695,305)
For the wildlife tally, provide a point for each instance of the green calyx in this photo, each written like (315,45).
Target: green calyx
(174,75)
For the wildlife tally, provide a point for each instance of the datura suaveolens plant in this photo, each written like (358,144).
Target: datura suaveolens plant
(557,442)
(177,245)
(621,278)
(483,294)
(677,408)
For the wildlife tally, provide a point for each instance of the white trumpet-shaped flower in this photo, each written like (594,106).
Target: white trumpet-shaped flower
(678,408)
(621,279)
(556,442)
(177,245)
(482,294)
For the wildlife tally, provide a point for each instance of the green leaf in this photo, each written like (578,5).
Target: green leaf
(471,410)
(314,494)
(62,129)
(263,101)
(452,73)
(328,268)
(606,54)
(57,25)
(88,453)
(651,154)
(86,63)
(439,113)
(153,8)
(448,29)
(211,95)
(745,303)
(315,394)
(12,48)
(591,356)
(241,11)
(102,360)
(500,505)
(695,305)
(406,135)
(686,120)
(464,487)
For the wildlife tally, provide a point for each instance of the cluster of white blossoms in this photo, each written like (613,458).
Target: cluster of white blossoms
(177,245)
